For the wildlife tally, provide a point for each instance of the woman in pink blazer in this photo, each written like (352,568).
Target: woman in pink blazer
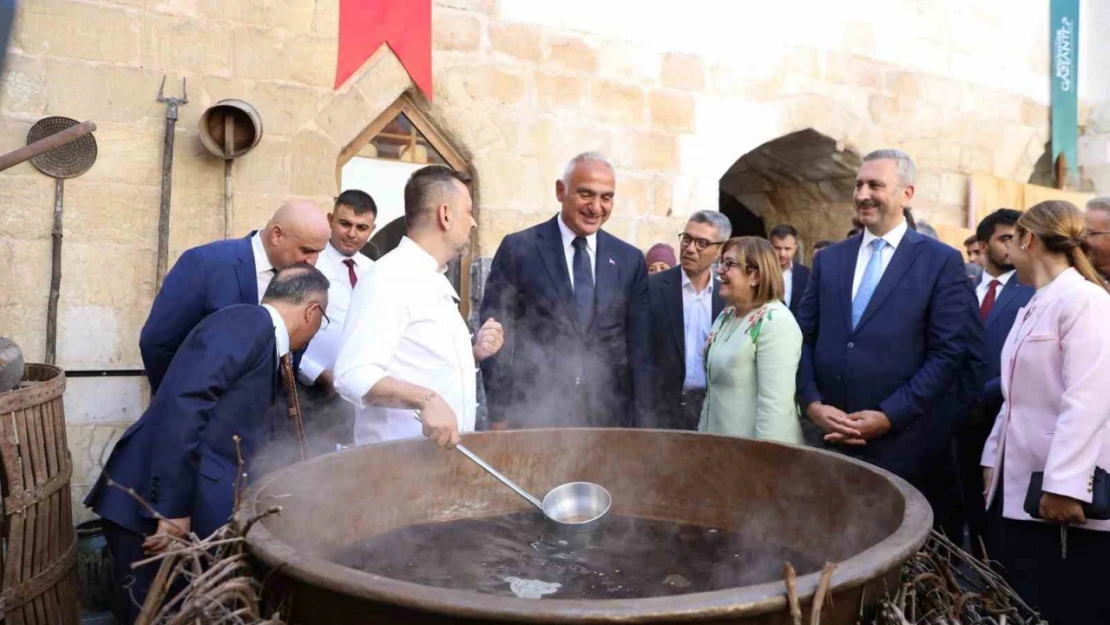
(1055,419)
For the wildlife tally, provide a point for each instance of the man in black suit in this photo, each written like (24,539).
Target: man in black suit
(573,301)
(999,297)
(784,238)
(684,303)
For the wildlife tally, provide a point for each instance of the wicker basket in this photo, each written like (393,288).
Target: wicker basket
(38,581)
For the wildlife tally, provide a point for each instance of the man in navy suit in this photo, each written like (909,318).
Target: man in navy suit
(573,301)
(180,456)
(218,274)
(784,238)
(882,319)
(684,303)
(1000,296)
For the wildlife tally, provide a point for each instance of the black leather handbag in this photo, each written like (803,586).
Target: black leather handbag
(1097,510)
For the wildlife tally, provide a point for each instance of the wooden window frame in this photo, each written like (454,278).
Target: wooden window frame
(405,104)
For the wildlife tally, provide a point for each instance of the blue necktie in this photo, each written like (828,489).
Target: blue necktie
(583,283)
(870,280)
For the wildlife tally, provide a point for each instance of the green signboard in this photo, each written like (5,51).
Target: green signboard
(1064,38)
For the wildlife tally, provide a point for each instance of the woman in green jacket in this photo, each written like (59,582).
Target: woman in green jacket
(752,354)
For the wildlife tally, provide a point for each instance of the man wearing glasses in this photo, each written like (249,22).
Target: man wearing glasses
(684,303)
(1098,235)
(215,402)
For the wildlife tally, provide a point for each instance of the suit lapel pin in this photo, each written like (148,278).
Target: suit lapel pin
(612,262)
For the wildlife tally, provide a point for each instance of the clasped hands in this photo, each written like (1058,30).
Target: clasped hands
(848,429)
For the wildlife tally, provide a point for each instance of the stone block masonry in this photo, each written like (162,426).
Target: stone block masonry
(520,88)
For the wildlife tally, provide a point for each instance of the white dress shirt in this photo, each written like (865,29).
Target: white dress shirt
(404,323)
(281,333)
(697,320)
(568,248)
(985,285)
(788,282)
(322,351)
(892,238)
(262,266)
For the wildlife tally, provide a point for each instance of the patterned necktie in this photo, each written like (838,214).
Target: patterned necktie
(870,280)
(583,283)
(350,262)
(988,301)
(294,403)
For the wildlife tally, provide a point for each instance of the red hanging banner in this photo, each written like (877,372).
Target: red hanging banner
(404,25)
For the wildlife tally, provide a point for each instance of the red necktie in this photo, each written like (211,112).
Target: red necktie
(350,262)
(988,301)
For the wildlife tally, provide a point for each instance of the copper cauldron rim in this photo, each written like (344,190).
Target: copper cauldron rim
(917,521)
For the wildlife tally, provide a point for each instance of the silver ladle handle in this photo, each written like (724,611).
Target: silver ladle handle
(494,472)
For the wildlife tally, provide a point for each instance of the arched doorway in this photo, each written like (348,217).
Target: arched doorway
(803,178)
(379,161)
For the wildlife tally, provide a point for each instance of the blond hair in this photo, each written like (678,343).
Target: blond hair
(1060,227)
(755,253)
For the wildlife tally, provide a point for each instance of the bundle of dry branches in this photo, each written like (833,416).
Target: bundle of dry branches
(942,584)
(213,574)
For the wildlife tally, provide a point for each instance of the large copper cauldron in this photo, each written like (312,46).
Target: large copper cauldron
(819,503)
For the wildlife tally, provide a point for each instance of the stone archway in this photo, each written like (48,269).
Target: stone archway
(803,178)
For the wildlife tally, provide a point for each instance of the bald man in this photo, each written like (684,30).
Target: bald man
(222,273)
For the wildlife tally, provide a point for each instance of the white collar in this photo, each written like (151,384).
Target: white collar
(687,283)
(893,238)
(262,262)
(424,260)
(419,259)
(1003,279)
(340,258)
(569,235)
(788,269)
(281,333)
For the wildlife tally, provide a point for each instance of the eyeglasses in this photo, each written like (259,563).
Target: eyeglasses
(1095,233)
(325,321)
(684,241)
(726,264)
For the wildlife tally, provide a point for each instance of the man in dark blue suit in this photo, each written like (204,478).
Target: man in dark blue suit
(1000,297)
(684,303)
(784,238)
(235,271)
(573,301)
(180,456)
(882,319)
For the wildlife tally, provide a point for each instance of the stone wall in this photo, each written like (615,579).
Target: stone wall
(520,87)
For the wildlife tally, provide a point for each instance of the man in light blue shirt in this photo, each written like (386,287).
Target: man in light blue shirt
(684,302)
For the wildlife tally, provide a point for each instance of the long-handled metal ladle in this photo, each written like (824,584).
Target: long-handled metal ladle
(574,507)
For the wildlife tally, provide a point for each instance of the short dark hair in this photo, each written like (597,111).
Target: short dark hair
(971,239)
(359,201)
(853,232)
(782,231)
(1000,217)
(822,244)
(296,284)
(427,185)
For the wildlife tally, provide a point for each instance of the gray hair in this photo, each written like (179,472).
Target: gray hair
(716,219)
(1099,203)
(297,284)
(907,173)
(585,157)
(927,230)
